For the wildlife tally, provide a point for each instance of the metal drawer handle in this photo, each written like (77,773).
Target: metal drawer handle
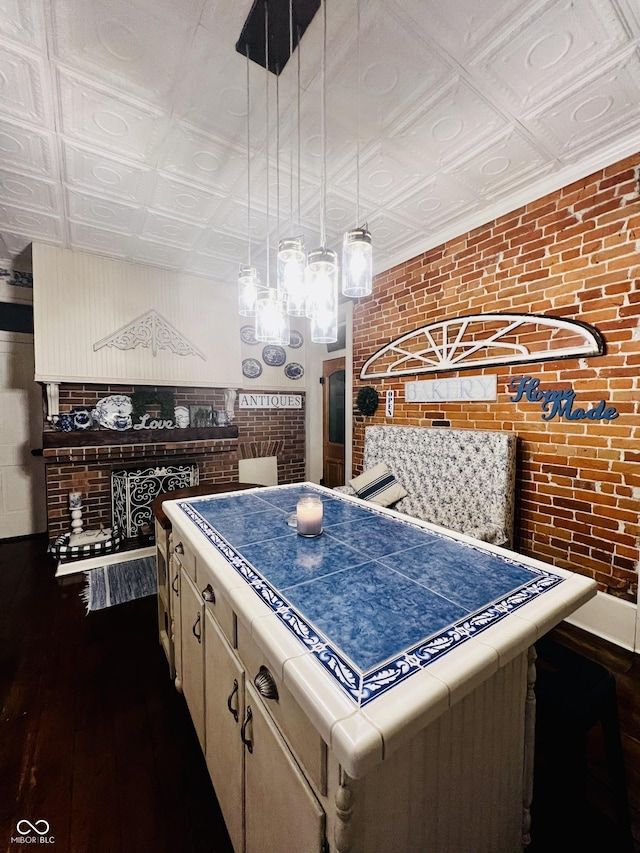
(174,583)
(233,693)
(208,594)
(243,731)
(266,684)
(197,634)
(179,549)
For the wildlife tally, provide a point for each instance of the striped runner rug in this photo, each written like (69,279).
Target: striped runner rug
(119,582)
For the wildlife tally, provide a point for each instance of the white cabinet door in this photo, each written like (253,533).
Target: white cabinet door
(176,621)
(192,632)
(224,704)
(282,813)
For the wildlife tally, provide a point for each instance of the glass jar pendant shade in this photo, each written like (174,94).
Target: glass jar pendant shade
(322,281)
(272,321)
(248,290)
(357,263)
(291,275)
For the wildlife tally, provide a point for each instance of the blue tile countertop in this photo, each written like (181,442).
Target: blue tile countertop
(378,596)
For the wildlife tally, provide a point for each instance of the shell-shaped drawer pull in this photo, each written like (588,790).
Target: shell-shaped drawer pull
(208,594)
(265,684)
(179,549)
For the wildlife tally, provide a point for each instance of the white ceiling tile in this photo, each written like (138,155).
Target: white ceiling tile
(454,121)
(591,114)
(102,175)
(185,200)
(552,48)
(202,158)
(504,161)
(18,246)
(122,115)
(157,254)
(436,202)
(29,222)
(22,86)
(22,21)
(102,212)
(26,149)
(221,245)
(29,191)
(218,269)
(90,238)
(465,25)
(122,42)
(391,80)
(167,230)
(212,94)
(102,118)
(386,173)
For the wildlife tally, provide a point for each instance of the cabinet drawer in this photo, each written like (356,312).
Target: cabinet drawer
(218,607)
(304,740)
(183,555)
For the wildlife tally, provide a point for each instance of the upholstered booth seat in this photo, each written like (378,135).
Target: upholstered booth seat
(457,478)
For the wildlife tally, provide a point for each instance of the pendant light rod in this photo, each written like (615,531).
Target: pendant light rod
(266,65)
(323,128)
(358,112)
(248,162)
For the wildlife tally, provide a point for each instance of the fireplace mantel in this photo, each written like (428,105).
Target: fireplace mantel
(113,438)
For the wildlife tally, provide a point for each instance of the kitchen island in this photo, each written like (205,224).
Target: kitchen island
(366,690)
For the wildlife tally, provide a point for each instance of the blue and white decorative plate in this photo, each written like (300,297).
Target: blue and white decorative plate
(248,335)
(274,356)
(114,412)
(81,418)
(251,368)
(295,339)
(294,370)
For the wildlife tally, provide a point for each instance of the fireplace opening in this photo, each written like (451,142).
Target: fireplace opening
(134,489)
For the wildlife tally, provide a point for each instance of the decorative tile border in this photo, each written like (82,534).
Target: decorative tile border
(363,687)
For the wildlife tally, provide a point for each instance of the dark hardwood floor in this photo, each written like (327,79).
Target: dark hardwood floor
(95,740)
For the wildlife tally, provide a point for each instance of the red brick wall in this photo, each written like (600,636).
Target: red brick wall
(261,432)
(571,254)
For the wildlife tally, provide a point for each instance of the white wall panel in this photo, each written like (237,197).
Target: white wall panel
(80,300)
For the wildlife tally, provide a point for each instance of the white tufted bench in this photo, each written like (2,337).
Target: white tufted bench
(462,479)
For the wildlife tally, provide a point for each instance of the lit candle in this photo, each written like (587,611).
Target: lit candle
(309,516)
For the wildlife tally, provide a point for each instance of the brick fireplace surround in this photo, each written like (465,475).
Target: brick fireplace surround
(83,461)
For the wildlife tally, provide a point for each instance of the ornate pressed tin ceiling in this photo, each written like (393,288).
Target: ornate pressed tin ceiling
(123,127)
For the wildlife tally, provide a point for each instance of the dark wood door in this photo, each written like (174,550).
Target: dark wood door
(333,375)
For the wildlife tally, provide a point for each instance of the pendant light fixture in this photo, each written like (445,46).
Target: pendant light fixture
(248,278)
(357,252)
(291,250)
(272,321)
(322,263)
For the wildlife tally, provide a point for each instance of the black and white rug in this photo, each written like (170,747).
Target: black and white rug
(120,582)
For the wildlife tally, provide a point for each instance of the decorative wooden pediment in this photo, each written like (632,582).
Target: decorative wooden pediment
(483,340)
(150,330)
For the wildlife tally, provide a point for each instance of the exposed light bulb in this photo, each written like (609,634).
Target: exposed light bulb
(357,263)
(322,271)
(248,290)
(272,321)
(291,275)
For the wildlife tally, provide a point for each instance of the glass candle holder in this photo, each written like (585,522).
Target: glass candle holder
(75,500)
(309,516)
